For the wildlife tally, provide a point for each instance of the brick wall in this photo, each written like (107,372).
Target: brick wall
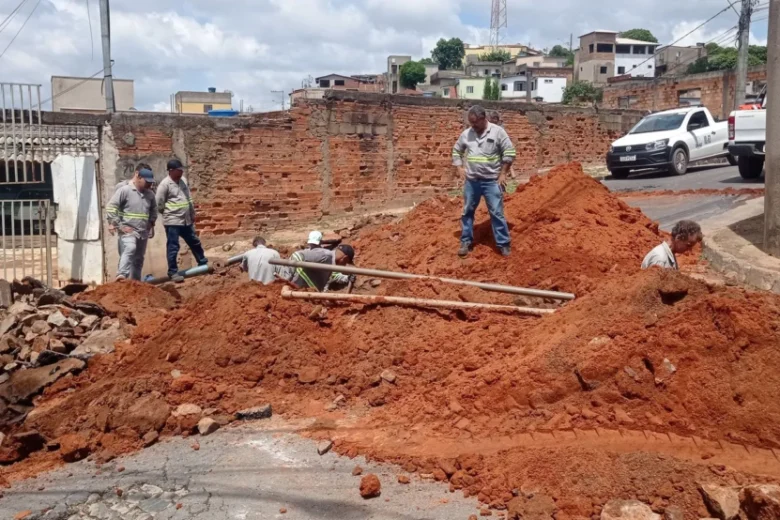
(352,152)
(717,91)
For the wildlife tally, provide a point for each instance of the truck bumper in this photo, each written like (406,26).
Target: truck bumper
(639,160)
(747,149)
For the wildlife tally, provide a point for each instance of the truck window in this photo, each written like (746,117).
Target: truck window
(698,120)
(658,123)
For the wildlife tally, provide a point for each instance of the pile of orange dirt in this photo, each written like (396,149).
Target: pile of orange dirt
(645,385)
(130,299)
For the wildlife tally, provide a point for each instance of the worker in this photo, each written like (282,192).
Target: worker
(685,235)
(138,168)
(174,202)
(132,213)
(303,277)
(489,154)
(315,237)
(255,262)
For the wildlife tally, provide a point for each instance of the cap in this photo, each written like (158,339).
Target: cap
(146,174)
(175,164)
(347,250)
(315,237)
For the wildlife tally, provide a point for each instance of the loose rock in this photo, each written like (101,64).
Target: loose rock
(357,471)
(74,447)
(150,438)
(57,319)
(761,502)
(389,376)
(721,501)
(324,447)
(628,510)
(207,426)
(403,479)
(370,487)
(258,412)
(309,375)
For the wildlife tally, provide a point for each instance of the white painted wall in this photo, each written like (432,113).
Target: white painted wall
(510,91)
(551,89)
(79,248)
(635,64)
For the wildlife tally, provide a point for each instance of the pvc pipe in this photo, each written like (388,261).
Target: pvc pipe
(234,260)
(345,269)
(412,302)
(189,273)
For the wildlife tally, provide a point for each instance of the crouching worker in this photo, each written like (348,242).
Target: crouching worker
(255,262)
(132,212)
(316,279)
(685,235)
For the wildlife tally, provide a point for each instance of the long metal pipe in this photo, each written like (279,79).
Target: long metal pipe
(345,269)
(412,302)
(234,260)
(189,273)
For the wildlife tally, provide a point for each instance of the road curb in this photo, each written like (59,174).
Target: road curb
(736,270)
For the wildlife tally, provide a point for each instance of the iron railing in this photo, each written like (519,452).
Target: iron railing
(21,137)
(27,239)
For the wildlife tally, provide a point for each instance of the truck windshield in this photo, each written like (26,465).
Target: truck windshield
(658,123)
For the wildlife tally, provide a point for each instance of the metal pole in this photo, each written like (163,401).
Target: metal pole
(40,236)
(13,135)
(411,302)
(5,139)
(772,179)
(21,230)
(345,269)
(742,57)
(48,245)
(13,235)
(5,261)
(32,242)
(105,31)
(24,144)
(30,131)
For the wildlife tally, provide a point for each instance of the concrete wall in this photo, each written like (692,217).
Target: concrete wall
(477,88)
(88,95)
(635,64)
(550,89)
(200,108)
(717,91)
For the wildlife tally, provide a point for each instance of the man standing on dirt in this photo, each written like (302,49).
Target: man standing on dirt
(320,280)
(174,202)
(685,235)
(132,213)
(255,262)
(489,154)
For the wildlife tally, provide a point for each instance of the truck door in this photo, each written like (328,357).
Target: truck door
(704,136)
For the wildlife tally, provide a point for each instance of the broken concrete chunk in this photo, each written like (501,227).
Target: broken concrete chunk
(309,375)
(187,409)
(207,426)
(150,438)
(27,383)
(389,376)
(258,412)
(57,319)
(20,308)
(40,327)
(324,447)
(100,342)
(7,323)
(89,321)
(6,294)
(721,501)
(628,510)
(57,346)
(73,447)
(760,502)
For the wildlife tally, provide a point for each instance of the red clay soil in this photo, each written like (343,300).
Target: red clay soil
(490,402)
(130,299)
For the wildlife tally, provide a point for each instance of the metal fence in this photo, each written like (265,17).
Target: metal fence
(27,248)
(21,133)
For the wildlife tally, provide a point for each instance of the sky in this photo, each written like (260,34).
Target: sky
(254,47)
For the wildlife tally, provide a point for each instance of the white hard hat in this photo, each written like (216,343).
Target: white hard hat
(315,237)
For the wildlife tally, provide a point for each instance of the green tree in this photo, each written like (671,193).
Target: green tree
(496,90)
(725,58)
(449,53)
(496,55)
(559,51)
(412,73)
(487,92)
(642,35)
(581,92)
(427,61)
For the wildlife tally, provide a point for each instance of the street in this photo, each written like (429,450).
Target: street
(697,178)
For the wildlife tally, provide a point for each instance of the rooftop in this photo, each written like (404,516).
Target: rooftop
(629,41)
(600,31)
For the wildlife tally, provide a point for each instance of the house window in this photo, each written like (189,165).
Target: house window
(394,69)
(207,108)
(324,83)
(627,102)
(504,86)
(650,66)
(621,70)
(537,64)
(623,49)
(640,49)
(519,86)
(487,72)
(603,70)
(445,92)
(605,47)
(533,85)
(469,90)
(338,82)
(590,48)
(497,72)
(548,82)
(395,87)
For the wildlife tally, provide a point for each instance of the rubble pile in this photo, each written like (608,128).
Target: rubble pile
(641,389)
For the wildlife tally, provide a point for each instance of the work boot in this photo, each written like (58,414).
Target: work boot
(464,250)
(505,250)
(177,278)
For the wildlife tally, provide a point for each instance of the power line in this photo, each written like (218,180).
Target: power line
(734,8)
(91,38)
(8,18)
(20,29)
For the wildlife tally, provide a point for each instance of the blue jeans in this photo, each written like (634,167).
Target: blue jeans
(173,233)
(473,192)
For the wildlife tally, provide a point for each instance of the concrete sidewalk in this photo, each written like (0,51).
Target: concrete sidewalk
(732,245)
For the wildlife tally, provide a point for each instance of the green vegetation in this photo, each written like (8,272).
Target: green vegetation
(581,92)
(496,55)
(725,58)
(412,73)
(642,35)
(448,53)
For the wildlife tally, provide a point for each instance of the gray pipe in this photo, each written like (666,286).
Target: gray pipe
(345,269)
(234,260)
(189,273)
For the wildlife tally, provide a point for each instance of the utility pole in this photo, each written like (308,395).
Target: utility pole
(742,57)
(571,42)
(282,93)
(772,180)
(108,78)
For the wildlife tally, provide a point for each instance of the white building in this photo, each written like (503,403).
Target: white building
(634,58)
(549,89)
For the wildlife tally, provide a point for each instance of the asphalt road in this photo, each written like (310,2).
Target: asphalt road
(698,177)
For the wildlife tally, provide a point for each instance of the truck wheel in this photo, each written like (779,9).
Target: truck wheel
(731,159)
(751,167)
(679,164)
(620,174)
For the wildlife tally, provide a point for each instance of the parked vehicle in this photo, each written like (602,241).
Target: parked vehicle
(671,140)
(747,139)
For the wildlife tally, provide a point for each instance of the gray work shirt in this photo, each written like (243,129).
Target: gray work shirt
(309,277)
(132,208)
(255,263)
(660,256)
(483,154)
(174,202)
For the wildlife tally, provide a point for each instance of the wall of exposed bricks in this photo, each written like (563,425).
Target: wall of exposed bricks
(717,91)
(352,152)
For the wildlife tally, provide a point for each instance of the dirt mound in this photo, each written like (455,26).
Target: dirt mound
(131,299)
(568,231)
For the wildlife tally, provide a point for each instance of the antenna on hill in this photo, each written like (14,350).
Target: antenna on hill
(497,22)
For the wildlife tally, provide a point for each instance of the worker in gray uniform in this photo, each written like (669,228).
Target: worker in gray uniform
(320,280)
(174,202)
(132,212)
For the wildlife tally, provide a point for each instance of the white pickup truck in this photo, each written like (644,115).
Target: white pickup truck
(670,140)
(747,139)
